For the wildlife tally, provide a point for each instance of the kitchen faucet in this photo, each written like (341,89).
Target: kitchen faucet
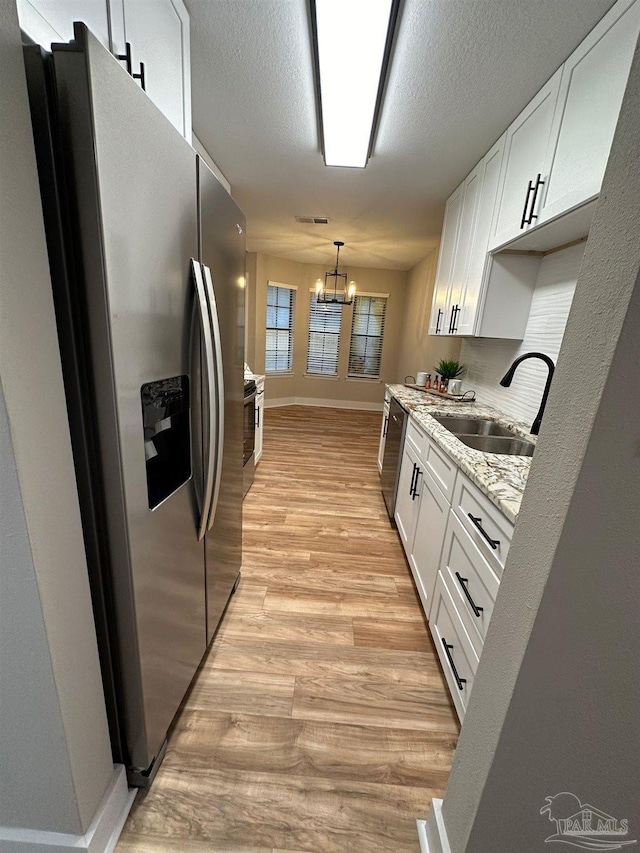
(506,382)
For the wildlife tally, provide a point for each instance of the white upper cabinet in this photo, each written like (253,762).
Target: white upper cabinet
(472,188)
(591,90)
(49,21)
(451,224)
(157,32)
(470,298)
(523,175)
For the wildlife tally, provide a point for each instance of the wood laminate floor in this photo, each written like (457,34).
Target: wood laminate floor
(320,721)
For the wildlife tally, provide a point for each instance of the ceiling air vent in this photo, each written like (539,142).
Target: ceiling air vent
(312,220)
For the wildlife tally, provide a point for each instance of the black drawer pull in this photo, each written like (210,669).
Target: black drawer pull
(478,523)
(463,583)
(438,321)
(447,650)
(415,494)
(385,425)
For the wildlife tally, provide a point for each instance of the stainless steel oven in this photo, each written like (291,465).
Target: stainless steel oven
(249,431)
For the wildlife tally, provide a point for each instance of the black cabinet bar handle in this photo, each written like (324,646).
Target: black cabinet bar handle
(454,319)
(524,220)
(126,57)
(140,77)
(438,321)
(463,583)
(447,650)
(385,426)
(415,485)
(413,479)
(478,523)
(539,183)
(258,417)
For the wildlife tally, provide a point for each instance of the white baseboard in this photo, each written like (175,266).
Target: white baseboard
(432,833)
(278,402)
(101,837)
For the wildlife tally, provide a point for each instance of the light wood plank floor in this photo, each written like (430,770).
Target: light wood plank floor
(320,721)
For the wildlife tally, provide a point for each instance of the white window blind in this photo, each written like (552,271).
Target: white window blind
(280,313)
(367,332)
(324,338)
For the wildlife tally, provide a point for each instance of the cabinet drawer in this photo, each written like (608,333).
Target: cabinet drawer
(490,524)
(415,437)
(435,461)
(446,627)
(472,582)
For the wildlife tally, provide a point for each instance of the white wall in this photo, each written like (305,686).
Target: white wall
(55,757)
(488,359)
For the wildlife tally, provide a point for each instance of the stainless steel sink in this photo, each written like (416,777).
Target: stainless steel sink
(472,426)
(498,444)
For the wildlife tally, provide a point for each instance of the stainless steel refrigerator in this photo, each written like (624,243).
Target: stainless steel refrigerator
(147,260)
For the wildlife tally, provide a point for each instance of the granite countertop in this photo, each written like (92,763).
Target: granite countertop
(258,377)
(500,477)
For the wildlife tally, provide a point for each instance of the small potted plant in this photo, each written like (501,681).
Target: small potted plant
(449,370)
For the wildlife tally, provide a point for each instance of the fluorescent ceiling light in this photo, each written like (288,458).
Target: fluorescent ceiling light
(352,51)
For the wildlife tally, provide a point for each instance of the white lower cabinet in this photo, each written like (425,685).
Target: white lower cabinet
(431,524)
(455,650)
(407,504)
(456,541)
(464,568)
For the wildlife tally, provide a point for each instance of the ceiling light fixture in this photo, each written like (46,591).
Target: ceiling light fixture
(327,291)
(352,42)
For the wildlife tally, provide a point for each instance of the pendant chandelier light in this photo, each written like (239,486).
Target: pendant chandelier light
(327,291)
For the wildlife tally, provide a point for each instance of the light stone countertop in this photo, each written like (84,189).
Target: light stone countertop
(258,377)
(500,477)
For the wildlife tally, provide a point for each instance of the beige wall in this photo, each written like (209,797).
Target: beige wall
(361,392)
(420,351)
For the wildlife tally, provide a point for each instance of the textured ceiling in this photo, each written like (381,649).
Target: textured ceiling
(462,70)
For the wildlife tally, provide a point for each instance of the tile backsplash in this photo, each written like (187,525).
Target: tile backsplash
(487,359)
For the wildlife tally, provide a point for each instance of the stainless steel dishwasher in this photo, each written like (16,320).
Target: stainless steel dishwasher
(393,454)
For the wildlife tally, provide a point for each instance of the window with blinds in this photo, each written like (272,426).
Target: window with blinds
(280,313)
(324,338)
(367,332)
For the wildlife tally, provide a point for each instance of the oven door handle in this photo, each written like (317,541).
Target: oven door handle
(205,331)
(219,394)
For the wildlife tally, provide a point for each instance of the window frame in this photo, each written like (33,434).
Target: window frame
(291,329)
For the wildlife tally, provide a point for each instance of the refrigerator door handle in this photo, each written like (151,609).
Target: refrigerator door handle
(201,299)
(219,408)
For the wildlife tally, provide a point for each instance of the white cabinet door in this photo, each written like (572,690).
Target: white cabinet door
(526,144)
(471,198)
(471,297)
(259,424)
(383,435)
(593,83)
(47,21)
(450,226)
(407,503)
(158,31)
(429,536)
